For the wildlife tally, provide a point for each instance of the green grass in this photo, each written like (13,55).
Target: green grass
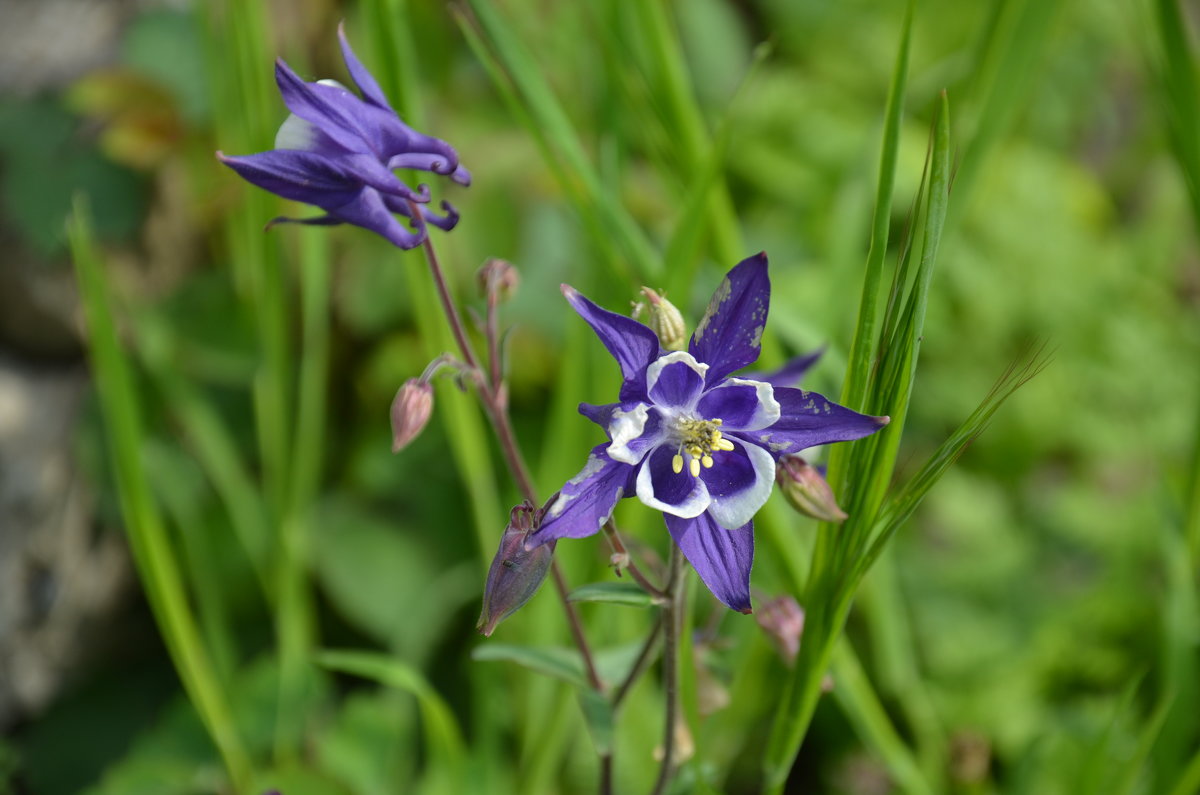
(988,215)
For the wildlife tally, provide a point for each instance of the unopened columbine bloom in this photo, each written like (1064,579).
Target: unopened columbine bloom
(337,151)
(691,440)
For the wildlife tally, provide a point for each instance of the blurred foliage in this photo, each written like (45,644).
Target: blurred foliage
(1037,588)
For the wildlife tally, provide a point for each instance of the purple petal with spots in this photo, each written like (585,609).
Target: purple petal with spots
(660,486)
(723,558)
(808,419)
(587,500)
(633,345)
(740,405)
(728,336)
(678,384)
(791,372)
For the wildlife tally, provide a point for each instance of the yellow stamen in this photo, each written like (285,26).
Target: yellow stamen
(677,463)
(707,461)
(723,444)
(694,467)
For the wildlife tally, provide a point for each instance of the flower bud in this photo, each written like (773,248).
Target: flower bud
(498,276)
(515,573)
(782,619)
(806,490)
(411,409)
(665,320)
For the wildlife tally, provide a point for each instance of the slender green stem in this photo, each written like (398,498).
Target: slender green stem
(502,425)
(672,627)
(627,563)
(644,658)
(153,555)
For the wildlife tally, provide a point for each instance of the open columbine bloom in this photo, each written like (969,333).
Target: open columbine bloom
(338,151)
(691,440)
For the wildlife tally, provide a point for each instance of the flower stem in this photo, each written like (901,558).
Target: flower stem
(491,397)
(614,538)
(672,627)
(644,658)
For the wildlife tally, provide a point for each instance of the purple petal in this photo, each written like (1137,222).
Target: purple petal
(721,557)
(739,482)
(675,380)
(601,414)
(320,220)
(662,488)
(808,419)
(791,372)
(333,111)
(369,211)
(303,135)
(430,161)
(740,405)
(587,500)
(728,336)
(358,126)
(301,176)
(362,78)
(398,204)
(633,345)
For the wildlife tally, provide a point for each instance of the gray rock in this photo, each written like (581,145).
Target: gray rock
(58,577)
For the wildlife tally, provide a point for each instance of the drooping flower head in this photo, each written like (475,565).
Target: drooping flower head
(692,440)
(338,151)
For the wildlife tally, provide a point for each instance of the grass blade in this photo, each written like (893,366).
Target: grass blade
(152,552)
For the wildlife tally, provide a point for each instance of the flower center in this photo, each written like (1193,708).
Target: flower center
(698,438)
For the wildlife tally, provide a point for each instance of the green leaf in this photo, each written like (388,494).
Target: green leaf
(598,714)
(563,664)
(620,593)
(442,732)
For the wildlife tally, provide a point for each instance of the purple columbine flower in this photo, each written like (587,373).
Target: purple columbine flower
(337,151)
(691,440)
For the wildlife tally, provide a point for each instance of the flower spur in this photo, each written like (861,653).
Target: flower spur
(337,151)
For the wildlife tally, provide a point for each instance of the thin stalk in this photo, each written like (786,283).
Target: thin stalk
(492,334)
(672,627)
(644,658)
(153,554)
(498,415)
(626,562)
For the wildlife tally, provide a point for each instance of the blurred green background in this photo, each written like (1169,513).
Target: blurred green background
(1034,628)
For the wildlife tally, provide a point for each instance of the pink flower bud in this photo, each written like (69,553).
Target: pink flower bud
(498,276)
(411,409)
(806,490)
(516,573)
(782,619)
(666,321)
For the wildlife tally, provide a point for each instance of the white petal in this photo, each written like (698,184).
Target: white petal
(735,510)
(295,133)
(625,427)
(656,367)
(768,410)
(696,503)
